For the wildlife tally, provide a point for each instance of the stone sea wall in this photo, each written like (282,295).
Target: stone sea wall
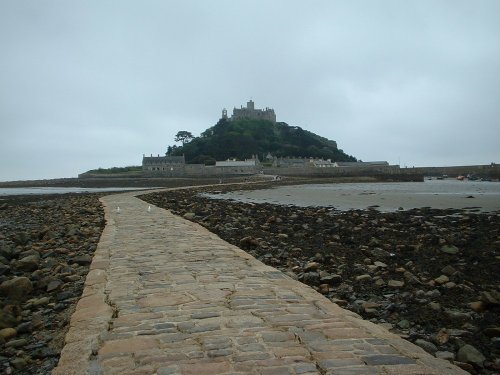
(489,170)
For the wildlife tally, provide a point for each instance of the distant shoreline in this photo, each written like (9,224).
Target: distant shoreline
(169,182)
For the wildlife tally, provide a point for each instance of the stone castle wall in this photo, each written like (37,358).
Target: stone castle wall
(250,112)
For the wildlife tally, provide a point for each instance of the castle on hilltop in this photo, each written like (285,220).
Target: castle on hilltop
(250,112)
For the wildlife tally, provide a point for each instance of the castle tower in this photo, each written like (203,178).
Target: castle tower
(224,114)
(251,105)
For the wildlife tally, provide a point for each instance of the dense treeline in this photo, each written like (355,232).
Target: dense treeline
(246,137)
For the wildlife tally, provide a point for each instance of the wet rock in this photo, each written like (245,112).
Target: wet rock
(189,215)
(441,279)
(448,270)
(370,308)
(331,279)
(492,331)
(29,263)
(21,238)
(457,315)
(443,336)
(7,320)
(25,327)
(312,266)
(470,354)
(491,297)
(404,324)
(311,277)
(16,343)
(249,241)
(449,356)
(8,333)
(19,363)
(54,285)
(82,260)
(324,288)
(429,347)
(478,306)
(395,284)
(363,278)
(435,306)
(16,288)
(450,249)
(380,253)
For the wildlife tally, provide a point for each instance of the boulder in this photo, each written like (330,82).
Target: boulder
(29,263)
(16,288)
(429,347)
(469,354)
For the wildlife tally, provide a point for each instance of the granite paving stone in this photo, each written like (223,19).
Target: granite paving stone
(166,296)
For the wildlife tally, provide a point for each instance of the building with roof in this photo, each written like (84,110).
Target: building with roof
(163,163)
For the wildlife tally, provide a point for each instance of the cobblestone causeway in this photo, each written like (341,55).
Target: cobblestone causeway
(166,296)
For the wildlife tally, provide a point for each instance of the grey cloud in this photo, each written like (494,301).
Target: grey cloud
(98,83)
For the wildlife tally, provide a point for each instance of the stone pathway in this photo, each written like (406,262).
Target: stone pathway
(166,296)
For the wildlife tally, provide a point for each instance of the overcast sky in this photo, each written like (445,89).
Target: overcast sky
(88,84)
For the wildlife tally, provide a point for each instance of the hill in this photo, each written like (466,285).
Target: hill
(245,137)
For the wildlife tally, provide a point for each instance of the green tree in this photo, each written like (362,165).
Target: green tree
(183,136)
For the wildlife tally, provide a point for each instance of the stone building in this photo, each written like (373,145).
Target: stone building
(250,112)
(163,163)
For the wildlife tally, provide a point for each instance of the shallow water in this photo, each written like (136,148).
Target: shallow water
(472,195)
(58,190)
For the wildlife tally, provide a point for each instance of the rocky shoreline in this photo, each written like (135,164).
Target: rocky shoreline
(428,275)
(46,247)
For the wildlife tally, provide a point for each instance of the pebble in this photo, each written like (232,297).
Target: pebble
(441,279)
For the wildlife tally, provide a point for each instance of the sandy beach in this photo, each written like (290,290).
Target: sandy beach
(385,197)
